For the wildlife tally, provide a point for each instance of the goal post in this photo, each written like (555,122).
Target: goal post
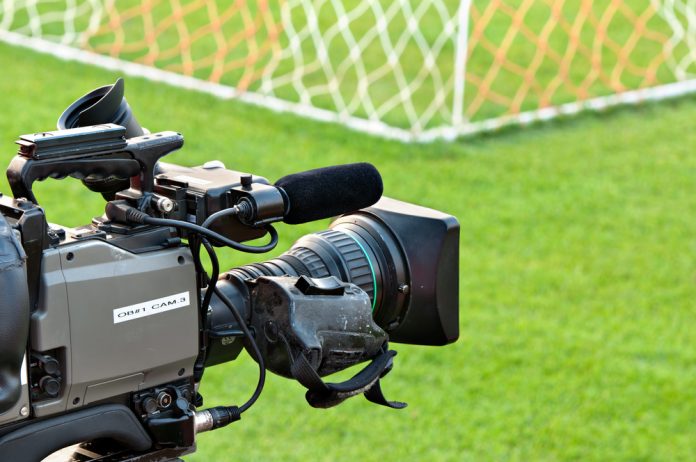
(414,70)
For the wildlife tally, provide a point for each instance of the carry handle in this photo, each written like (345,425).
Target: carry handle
(99,150)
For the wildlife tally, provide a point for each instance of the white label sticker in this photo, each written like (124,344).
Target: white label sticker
(192,180)
(160,305)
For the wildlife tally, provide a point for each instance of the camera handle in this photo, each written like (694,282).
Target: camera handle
(23,172)
(99,150)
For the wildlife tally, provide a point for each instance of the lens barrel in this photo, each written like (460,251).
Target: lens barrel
(405,257)
(357,249)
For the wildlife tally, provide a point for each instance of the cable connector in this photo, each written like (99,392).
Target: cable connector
(216,417)
(122,212)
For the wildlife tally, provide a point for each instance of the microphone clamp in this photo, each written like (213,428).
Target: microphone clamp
(258,204)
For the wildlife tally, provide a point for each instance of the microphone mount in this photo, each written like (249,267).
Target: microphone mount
(258,204)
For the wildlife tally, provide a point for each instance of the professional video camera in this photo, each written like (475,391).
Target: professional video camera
(106,329)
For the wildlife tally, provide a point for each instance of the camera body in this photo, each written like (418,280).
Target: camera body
(108,327)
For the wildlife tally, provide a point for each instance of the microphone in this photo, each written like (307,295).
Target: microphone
(329,191)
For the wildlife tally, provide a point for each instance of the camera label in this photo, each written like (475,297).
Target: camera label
(160,305)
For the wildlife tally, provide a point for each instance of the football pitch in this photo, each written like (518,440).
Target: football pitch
(524,54)
(577,286)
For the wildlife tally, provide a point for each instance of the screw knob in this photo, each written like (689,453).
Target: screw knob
(49,385)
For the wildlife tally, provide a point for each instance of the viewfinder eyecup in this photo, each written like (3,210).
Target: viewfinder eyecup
(103,105)
(100,106)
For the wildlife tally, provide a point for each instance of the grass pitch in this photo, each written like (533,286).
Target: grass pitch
(577,265)
(539,52)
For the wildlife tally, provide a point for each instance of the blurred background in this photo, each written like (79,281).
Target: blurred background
(578,236)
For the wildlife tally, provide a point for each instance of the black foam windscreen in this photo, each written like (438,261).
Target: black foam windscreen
(330,191)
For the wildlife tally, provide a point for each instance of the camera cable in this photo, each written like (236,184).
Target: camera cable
(240,320)
(124,213)
(219,214)
(221,416)
(224,415)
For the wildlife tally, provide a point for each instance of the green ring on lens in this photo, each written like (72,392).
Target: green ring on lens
(372,271)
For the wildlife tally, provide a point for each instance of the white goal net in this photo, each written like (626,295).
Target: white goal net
(406,69)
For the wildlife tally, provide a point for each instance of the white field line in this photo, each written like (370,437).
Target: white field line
(662,92)
(69,53)
(373,127)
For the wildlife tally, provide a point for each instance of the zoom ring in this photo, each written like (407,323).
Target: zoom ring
(315,266)
(356,262)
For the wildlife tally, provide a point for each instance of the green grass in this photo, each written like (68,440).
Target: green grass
(578,278)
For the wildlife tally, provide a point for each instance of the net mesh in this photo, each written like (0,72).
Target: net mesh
(417,65)
(554,52)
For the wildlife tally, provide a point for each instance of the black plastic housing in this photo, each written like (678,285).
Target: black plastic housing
(429,243)
(102,105)
(332,328)
(14,315)
(403,256)
(42,438)
(198,192)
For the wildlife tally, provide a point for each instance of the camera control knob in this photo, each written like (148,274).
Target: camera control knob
(163,204)
(49,385)
(48,364)
(320,286)
(246,180)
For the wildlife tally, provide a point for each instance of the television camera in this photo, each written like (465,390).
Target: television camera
(106,329)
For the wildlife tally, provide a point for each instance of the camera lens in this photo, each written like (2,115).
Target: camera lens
(405,257)
(358,249)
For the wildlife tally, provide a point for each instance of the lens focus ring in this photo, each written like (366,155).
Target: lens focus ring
(357,263)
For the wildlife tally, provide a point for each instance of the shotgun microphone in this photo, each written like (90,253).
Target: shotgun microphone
(329,191)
